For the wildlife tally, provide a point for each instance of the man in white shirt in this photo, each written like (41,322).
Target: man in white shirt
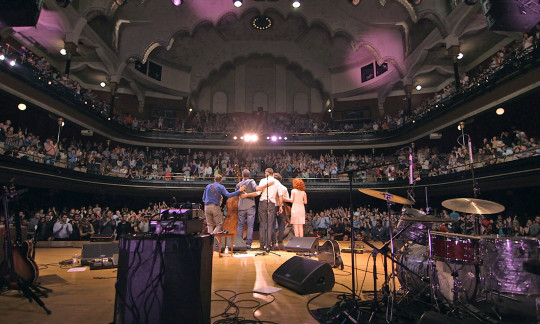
(267,208)
(62,229)
(283,195)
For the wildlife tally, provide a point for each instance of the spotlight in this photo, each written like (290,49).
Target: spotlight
(237,3)
(418,87)
(499,111)
(21,106)
(329,110)
(274,138)
(2,57)
(177,2)
(459,56)
(103,84)
(267,137)
(12,62)
(296,4)
(63,51)
(280,137)
(190,109)
(235,138)
(285,138)
(355,2)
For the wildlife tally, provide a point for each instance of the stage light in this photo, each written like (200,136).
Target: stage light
(21,106)
(329,110)
(177,2)
(235,138)
(499,111)
(274,138)
(280,137)
(355,2)
(418,87)
(190,109)
(12,63)
(237,3)
(63,51)
(296,4)
(285,138)
(2,57)
(103,84)
(267,137)
(459,56)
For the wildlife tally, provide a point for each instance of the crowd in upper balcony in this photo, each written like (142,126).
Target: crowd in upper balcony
(104,158)
(504,61)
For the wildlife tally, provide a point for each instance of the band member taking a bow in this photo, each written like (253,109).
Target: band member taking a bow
(212,198)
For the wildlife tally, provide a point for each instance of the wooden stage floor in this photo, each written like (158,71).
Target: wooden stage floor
(88,297)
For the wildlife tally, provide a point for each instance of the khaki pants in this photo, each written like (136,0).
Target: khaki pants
(214,218)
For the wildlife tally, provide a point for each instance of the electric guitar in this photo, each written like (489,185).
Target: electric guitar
(18,261)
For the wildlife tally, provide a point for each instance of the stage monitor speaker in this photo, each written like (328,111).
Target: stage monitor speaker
(164,279)
(19,13)
(92,251)
(305,276)
(238,244)
(303,244)
(511,15)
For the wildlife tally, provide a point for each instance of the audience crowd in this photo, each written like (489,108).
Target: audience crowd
(172,164)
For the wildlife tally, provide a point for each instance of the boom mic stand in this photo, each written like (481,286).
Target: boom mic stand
(476,189)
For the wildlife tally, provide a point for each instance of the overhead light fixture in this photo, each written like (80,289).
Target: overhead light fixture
(418,87)
(499,111)
(121,2)
(103,84)
(177,2)
(355,2)
(329,110)
(21,106)
(296,4)
(190,109)
(63,51)
(2,57)
(459,56)
(12,62)
(238,3)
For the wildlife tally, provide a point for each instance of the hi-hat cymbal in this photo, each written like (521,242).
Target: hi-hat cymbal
(386,196)
(428,219)
(473,206)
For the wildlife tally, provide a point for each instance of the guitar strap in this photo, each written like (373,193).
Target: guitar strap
(215,193)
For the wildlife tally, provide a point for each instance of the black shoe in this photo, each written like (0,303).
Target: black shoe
(267,250)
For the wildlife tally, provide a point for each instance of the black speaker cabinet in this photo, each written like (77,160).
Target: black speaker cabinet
(238,244)
(93,251)
(15,13)
(164,279)
(305,276)
(303,244)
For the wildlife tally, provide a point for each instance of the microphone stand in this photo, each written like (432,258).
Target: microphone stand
(476,189)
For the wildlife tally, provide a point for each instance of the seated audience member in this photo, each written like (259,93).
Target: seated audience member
(379,233)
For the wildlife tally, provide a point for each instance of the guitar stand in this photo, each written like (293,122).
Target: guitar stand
(28,289)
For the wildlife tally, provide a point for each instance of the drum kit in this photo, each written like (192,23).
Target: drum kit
(458,271)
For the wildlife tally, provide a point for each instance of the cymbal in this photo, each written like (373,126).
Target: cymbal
(386,195)
(428,219)
(473,206)
(413,212)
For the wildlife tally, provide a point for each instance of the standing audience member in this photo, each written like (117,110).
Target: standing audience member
(62,229)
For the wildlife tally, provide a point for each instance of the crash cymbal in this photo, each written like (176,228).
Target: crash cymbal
(386,195)
(473,206)
(413,212)
(428,219)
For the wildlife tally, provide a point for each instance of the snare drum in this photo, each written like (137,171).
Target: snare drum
(456,248)
(502,264)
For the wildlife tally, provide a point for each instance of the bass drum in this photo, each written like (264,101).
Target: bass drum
(416,279)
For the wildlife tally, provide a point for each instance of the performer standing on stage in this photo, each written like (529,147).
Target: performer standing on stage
(283,195)
(267,208)
(212,198)
(246,206)
(298,211)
